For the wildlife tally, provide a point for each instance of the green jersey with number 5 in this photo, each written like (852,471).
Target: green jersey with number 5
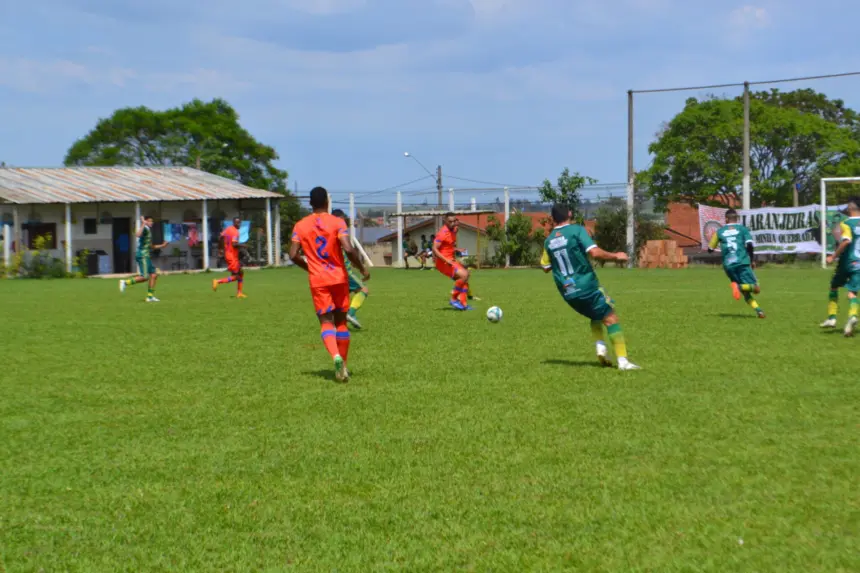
(565,251)
(732,240)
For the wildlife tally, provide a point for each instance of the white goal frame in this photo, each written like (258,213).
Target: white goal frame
(824,229)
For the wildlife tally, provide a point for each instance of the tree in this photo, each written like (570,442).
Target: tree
(521,242)
(208,132)
(610,227)
(566,191)
(795,138)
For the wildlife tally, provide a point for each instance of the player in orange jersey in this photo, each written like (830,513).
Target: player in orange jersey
(444,253)
(230,238)
(324,240)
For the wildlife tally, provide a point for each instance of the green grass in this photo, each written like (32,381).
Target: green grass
(206,433)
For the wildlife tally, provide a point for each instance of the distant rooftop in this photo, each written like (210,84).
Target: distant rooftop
(118,184)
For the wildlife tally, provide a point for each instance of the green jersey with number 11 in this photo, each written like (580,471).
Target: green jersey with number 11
(565,251)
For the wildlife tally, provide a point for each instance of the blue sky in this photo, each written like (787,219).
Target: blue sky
(507,91)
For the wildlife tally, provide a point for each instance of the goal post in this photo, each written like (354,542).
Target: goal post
(824,226)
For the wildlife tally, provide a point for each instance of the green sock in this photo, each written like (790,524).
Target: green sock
(150,292)
(617,338)
(351,312)
(129,282)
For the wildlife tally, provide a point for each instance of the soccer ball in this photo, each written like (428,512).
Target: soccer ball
(494,314)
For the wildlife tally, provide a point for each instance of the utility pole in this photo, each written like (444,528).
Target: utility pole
(439,191)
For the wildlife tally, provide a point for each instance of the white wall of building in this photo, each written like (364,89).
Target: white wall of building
(102,239)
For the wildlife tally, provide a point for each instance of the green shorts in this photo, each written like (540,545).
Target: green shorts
(595,305)
(355,283)
(145,266)
(847,278)
(741,274)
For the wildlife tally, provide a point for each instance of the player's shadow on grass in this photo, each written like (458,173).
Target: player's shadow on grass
(556,362)
(327,375)
(731,315)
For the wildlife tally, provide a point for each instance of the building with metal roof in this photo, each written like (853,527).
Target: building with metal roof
(99,209)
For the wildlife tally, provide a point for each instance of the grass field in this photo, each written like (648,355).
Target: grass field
(205,433)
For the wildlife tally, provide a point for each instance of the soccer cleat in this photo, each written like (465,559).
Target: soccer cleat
(214,284)
(467,307)
(341,374)
(760,313)
(736,292)
(603,356)
(241,295)
(152,299)
(829,323)
(850,326)
(353,321)
(476,299)
(122,285)
(627,366)
(457,305)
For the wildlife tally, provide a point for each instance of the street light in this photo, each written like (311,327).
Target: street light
(407,154)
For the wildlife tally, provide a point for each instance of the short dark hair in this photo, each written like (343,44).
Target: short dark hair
(149,217)
(854,201)
(339,213)
(560,213)
(449,214)
(731,214)
(319,197)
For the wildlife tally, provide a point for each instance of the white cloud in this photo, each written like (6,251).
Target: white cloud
(750,16)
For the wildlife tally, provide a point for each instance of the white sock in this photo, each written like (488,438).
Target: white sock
(601,348)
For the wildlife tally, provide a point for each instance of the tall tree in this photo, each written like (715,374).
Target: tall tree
(198,133)
(795,138)
(566,190)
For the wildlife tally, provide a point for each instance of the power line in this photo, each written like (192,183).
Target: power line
(395,186)
(483,182)
(741,84)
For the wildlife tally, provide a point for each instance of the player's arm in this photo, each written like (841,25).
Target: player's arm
(712,244)
(545,263)
(352,255)
(597,253)
(139,232)
(844,242)
(297,259)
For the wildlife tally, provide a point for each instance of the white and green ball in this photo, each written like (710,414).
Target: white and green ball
(494,314)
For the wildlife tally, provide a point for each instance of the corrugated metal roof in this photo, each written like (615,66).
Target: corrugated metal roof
(119,184)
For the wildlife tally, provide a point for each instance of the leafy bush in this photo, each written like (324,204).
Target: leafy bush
(521,242)
(610,229)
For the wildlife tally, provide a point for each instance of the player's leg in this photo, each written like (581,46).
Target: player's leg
(359,295)
(733,279)
(601,306)
(340,298)
(153,279)
(240,282)
(449,271)
(748,286)
(837,282)
(140,277)
(853,287)
(461,285)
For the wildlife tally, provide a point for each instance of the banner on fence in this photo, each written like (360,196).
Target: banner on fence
(777,230)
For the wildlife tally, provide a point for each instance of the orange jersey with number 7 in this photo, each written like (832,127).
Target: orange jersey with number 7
(319,236)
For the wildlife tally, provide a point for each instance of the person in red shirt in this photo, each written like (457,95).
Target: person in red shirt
(230,240)
(444,253)
(323,238)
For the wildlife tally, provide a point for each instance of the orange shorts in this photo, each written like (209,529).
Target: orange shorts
(446,269)
(233,266)
(331,298)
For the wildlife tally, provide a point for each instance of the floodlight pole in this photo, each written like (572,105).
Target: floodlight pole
(451,205)
(631,187)
(352,214)
(400,229)
(746,179)
(507,217)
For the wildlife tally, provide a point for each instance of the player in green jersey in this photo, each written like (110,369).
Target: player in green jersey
(736,244)
(143,257)
(566,254)
(357,288)
(847,272)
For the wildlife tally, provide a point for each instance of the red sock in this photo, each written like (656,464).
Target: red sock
(342,337)
(240,280)
(461,291)
(225,280)
(327,332)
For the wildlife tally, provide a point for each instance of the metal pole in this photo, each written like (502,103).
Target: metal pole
(631,189)
(278,243)
(400,229)
(136,227)
(16,232)
(269,250)
(439,191)
(205,237)
(68,237)
(7,246)
(474,204)
(451,206)
(746,180)
(824,228)
(352,214)
(507,216)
